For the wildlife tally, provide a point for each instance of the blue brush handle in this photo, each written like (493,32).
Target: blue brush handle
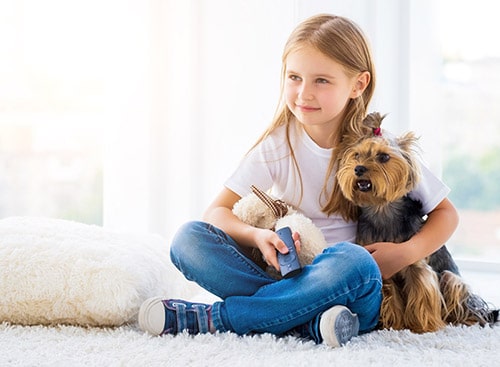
(289,263)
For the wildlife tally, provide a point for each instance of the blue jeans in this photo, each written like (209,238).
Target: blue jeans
(344,274)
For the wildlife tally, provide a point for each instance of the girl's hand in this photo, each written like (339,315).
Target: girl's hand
(268,242)
(390,257)
(440,225)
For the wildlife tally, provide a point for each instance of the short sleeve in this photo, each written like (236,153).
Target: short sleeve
(251,171)
(430,191)
(262,166)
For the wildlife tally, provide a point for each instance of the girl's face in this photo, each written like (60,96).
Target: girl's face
(317,90)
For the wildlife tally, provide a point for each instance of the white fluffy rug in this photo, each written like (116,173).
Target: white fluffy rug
(128,346)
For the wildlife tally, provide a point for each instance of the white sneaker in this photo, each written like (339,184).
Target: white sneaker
(338,325)
(172,316)
(152,316)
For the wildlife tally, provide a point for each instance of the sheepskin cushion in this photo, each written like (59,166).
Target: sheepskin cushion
(61,272)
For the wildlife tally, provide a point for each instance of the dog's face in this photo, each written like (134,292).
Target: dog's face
(377,170)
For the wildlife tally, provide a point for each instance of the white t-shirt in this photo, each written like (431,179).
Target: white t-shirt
(270,166)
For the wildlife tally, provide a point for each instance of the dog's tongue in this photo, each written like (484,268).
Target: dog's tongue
(364,185)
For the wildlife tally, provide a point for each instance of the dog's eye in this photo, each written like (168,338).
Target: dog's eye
(356,156)
(383,157)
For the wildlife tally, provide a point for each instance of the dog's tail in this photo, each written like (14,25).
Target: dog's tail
(481,311)
(463,306)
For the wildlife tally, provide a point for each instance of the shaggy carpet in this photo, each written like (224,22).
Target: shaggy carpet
(128,346)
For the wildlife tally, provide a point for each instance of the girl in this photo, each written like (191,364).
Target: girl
(328,80)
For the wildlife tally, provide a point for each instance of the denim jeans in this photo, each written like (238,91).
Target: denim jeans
(252,301)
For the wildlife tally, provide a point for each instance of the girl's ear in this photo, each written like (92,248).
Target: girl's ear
(362,81)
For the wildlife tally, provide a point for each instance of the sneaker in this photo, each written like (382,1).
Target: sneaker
(338,325)
(172,316)
(334,327)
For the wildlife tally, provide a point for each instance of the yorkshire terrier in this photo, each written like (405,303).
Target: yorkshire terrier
(376,173)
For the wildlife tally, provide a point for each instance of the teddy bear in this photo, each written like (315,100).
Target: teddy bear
(263,211)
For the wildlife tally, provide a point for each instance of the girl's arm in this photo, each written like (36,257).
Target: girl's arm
(220,214)
(440,225)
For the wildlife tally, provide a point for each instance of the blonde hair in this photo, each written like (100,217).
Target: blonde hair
(343,41)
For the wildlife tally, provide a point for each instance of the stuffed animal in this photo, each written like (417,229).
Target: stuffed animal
(262,211)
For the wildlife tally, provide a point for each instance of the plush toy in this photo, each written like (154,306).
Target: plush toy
(262,211)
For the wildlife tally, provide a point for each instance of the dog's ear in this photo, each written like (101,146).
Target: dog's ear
(409,148)
(407,142)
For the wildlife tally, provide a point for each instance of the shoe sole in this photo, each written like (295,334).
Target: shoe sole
(338,325)
(152,316)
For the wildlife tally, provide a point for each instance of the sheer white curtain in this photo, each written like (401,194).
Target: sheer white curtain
(209,86)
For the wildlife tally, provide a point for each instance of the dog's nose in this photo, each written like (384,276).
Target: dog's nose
(360,170)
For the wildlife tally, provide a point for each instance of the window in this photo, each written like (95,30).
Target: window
(469,93)
(454,69)
(66,76)
(114,112)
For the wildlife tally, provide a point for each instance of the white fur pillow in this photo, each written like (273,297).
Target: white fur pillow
(56,271)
